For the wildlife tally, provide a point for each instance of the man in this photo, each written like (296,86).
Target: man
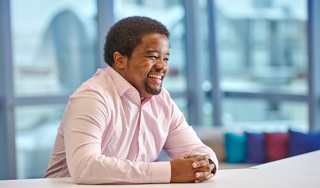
(117,122)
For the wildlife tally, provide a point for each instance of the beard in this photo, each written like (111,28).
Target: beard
(153,91)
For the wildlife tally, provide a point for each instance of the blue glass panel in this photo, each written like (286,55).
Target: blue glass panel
(54,45)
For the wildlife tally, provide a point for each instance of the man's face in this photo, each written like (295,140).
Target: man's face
(148,64)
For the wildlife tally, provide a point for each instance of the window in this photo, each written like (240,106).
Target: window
(36,130)
(262,53)
(54,51)
(53,45)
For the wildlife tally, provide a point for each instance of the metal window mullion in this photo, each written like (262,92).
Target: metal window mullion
(105,22)
(194,75)
(7,131)
(175,95)
(41,100)
(314,63)
(265,96)
(215,79)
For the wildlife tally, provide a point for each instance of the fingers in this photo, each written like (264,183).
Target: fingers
(202,176)
(200,161)
(187,156)
(204,173)
(200,164)
(209,176)
(194,156)
(207,168)
(205,178)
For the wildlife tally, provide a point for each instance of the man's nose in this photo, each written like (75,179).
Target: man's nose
(161,65)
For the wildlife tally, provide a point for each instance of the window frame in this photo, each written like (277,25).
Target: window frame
(7,143)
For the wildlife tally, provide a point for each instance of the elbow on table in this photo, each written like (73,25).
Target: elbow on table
(80,175)
(80,178)
(81,171)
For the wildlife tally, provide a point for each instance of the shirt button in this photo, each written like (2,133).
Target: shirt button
(134,92)
(140,134)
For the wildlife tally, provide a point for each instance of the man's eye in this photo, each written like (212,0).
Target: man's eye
(166,59)
(153,57)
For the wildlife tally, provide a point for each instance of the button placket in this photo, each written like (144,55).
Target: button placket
(139,135)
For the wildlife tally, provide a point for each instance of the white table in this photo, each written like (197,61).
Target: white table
(305,164)
(301,171)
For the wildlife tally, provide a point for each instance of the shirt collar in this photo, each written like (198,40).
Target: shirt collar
(121,83)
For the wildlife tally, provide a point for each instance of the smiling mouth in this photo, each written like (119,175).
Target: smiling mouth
(156,76)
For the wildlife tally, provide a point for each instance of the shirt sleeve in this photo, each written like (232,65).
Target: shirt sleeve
(183,140)
(85,121)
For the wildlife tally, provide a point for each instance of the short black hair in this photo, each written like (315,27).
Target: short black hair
(126,34)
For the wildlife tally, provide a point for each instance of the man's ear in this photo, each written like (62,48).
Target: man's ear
(119,60)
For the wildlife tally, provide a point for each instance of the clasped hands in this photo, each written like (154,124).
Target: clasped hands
(191,168)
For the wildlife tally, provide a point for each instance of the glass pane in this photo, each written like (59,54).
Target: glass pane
(205,60)
(54,45)
(260,114)
(183,105)
(262,45)
(171,14)
(36,130)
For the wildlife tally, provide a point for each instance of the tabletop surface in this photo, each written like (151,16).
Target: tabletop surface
(306,164)
(294,172)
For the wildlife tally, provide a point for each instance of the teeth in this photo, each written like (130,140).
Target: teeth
(155,76)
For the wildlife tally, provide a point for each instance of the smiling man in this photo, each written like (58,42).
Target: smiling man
(147,66)
(117,122)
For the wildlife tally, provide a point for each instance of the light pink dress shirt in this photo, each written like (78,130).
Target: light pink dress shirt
(107,135)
